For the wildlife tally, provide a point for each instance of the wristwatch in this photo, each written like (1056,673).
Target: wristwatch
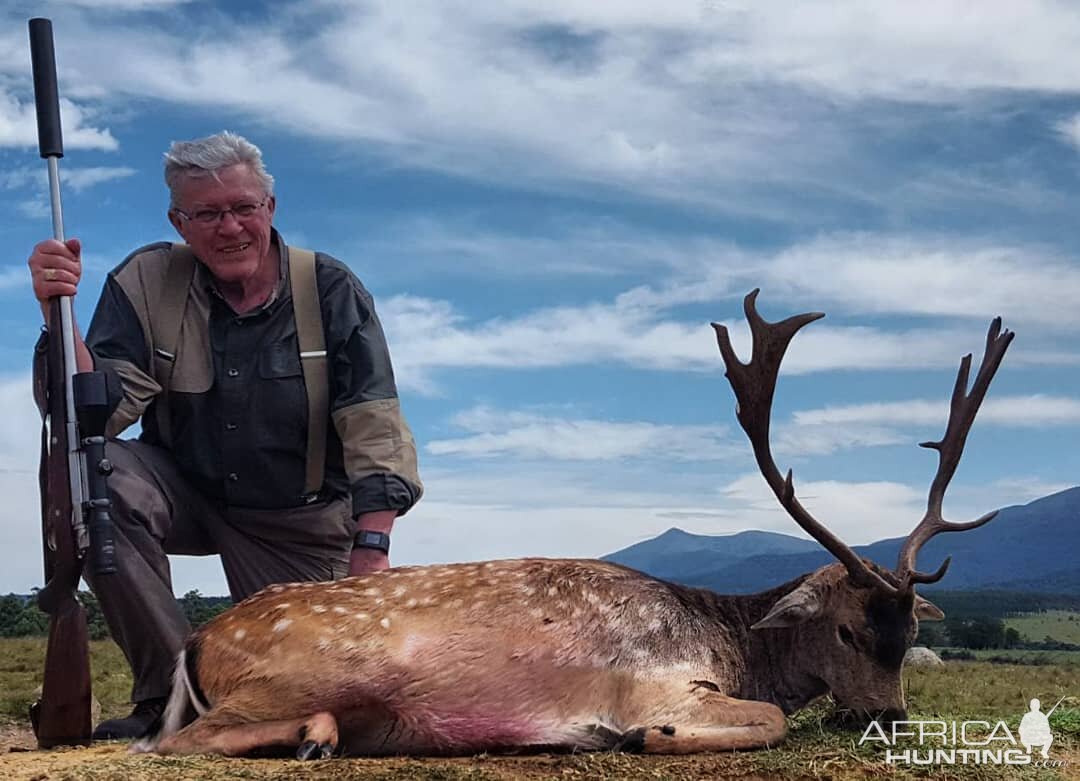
(368,539)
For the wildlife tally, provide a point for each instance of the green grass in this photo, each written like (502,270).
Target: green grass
(22,663)
(1063,625)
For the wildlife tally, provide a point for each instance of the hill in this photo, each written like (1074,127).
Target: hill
(1031,547)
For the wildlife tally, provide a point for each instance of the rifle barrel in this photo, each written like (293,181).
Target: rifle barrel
(51,147)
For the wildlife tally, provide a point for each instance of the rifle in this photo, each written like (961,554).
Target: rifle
(74,501)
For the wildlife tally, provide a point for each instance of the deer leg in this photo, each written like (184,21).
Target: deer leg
(708,721)
(315,736)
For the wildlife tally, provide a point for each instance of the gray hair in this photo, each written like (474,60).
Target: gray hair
(204,157)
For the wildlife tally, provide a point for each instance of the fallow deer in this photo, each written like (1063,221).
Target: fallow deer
(569,654)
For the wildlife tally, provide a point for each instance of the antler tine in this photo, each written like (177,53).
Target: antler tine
(962,413)
(754,384)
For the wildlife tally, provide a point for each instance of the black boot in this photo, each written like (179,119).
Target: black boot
(136,725)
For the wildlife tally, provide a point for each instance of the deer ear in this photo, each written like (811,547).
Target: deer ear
(925,610)
(792,609)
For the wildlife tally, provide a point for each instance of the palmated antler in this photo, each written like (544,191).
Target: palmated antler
(754,384)
(950,447)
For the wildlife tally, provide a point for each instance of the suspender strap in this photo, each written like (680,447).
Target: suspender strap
(309,334)
(167,322)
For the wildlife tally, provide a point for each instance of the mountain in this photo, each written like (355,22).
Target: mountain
(1032,547)
(677,555)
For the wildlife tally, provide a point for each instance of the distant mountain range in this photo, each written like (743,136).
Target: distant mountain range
(1033,547)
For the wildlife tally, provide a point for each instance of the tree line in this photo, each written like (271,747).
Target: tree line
(981,633)
(21,617)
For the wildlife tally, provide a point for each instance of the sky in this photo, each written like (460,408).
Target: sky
(552,199)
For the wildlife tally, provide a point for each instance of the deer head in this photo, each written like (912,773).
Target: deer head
(853,621)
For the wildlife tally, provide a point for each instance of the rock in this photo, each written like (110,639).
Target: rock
(920,656)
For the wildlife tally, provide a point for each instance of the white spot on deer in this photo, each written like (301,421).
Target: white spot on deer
(399,591)
(324,643)
(385,623)
(371,592)
(275,590)
(552,591)
(340,610)
(411,603)
(318,608)
(282,606)
(240,634)
(528,590)
(361,616)
(282,625)
(345,590)
(537,612)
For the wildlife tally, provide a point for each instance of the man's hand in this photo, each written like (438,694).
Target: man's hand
(365,560)
(55,269)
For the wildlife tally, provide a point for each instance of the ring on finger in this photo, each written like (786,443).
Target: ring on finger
(50,274)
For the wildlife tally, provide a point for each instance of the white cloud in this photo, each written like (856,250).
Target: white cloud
(1069,129)
(503,433)
(704,100)
(846,276)
(1033,411)
(18,125)
(74,178)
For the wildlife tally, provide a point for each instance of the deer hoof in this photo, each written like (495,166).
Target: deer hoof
(633,741)
(309,749)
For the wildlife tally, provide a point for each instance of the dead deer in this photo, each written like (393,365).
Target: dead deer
(569,654)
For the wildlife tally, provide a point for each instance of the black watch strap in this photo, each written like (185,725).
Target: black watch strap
(368,539)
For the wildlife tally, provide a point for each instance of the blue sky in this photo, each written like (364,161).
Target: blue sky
(551,201)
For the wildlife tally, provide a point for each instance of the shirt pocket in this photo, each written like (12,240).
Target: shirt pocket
(280,360)
(281,399)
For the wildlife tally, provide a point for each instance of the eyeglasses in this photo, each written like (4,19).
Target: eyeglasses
(209,217)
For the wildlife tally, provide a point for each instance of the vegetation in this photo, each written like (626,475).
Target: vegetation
(21,617)
(818,746)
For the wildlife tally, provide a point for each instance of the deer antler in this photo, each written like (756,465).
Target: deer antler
(754,384)
(961,416)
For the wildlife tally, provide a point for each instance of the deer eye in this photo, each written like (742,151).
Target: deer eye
(846,636)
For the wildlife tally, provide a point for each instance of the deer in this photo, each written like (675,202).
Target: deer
(542,654)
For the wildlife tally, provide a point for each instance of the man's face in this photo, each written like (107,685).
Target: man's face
(233,248)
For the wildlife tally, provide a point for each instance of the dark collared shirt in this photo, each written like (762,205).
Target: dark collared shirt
(238,405)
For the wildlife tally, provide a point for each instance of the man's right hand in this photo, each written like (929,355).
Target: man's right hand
(55,268)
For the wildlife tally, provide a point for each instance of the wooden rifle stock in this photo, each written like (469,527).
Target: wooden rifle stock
(62,716)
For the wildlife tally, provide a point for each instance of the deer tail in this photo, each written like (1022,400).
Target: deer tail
(186,702)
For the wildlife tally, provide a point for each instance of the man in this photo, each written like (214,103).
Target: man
(221,466)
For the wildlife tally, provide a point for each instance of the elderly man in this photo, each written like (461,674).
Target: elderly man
(238,456)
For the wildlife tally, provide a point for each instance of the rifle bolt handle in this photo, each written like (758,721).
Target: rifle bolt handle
(105,467)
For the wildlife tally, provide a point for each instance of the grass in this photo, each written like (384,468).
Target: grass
(22,663)
(1063,625)
(816,747)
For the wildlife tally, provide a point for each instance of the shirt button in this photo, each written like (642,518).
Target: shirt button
(233,477)
(230,427)
(233,373)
